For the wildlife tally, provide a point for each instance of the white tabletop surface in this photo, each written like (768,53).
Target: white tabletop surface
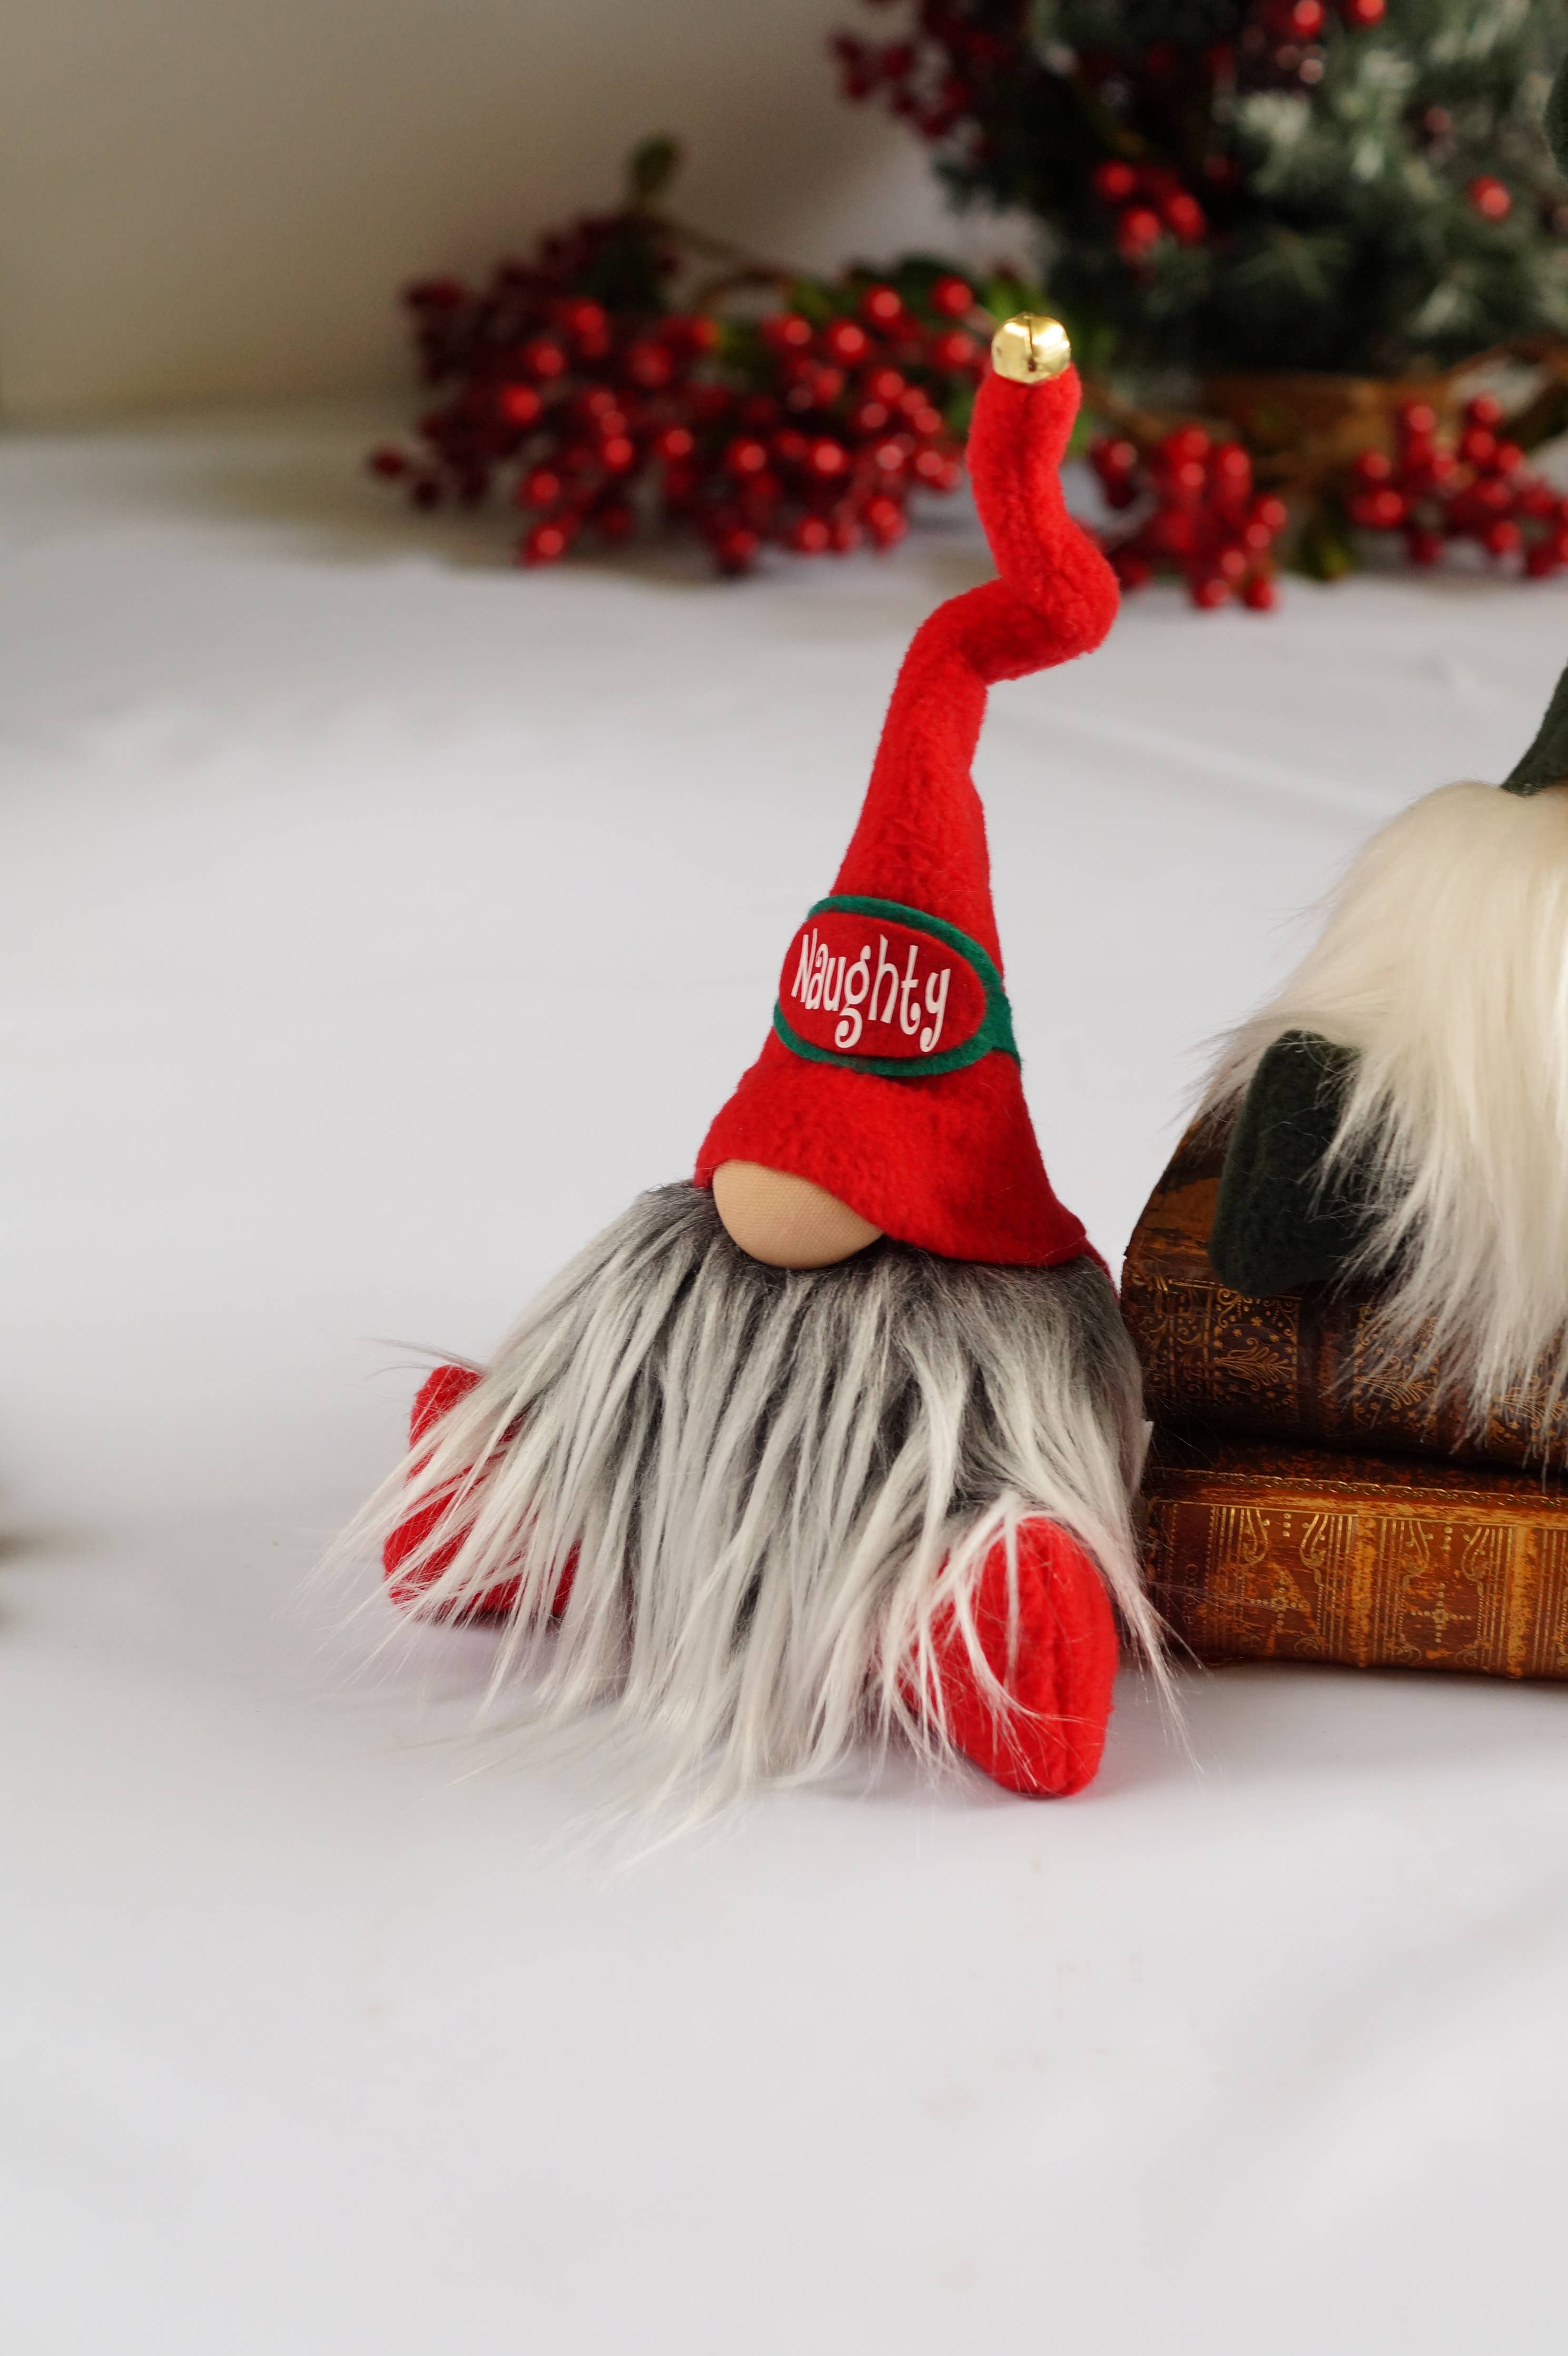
(375,920)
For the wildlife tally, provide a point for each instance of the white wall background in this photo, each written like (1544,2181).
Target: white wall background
(218,199)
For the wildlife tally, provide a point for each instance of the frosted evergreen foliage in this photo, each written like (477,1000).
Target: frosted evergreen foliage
(1374,197)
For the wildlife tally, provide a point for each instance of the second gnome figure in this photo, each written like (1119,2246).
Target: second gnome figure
(840,1435)
(1397,1117)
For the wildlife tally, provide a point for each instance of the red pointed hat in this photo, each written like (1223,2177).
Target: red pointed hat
(891,1076)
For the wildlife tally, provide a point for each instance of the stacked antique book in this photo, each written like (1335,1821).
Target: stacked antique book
(1305,1499)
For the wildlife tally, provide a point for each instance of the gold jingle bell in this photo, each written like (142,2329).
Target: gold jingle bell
(1030,349)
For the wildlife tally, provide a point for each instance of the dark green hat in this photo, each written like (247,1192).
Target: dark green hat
(1546,763)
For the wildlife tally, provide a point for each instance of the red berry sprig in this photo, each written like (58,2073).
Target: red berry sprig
(1437,489)
(1149,203)
(808,430)
(1202,517)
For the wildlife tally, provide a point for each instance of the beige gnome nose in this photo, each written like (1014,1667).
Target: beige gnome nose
(786,1222)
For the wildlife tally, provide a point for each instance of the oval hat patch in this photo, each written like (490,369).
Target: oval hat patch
(857,985)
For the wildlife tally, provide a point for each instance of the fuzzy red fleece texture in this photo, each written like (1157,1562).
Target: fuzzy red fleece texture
(1061,1672)
(949,1163)
(437,1397)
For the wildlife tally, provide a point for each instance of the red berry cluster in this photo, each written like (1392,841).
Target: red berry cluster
(1434,489)
(807,429)
(1149,202)
(1202,516)
(1289,33)
(934,80)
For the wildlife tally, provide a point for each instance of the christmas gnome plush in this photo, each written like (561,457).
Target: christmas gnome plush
(840,1435)
(1399,1114)
(1400,1111)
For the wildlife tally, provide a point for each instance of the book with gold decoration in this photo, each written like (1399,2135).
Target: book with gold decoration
(1305,1365)
(1305,1500)
(1258,1550)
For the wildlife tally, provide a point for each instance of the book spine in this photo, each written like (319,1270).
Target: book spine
(1374,1582)
(1211,1358)
(1308,1367)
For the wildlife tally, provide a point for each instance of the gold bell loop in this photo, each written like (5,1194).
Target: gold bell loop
(1030,349)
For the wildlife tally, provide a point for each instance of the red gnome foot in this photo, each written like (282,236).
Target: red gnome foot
(436,1397)
(1063,1666)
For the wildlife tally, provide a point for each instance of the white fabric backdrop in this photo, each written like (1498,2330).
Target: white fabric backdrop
(373,921)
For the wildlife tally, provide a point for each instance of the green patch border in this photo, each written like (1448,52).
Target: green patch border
(994,1037)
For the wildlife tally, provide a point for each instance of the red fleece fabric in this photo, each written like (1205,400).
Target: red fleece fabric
(435,1398)
(1062,1670)
(948,1162)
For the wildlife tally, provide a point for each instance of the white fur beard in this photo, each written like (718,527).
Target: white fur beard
(1443,964)
(775,1486)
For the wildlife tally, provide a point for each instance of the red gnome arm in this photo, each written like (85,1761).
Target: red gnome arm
(1056,598)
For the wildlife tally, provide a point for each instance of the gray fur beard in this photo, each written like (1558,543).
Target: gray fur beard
(778,1487)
